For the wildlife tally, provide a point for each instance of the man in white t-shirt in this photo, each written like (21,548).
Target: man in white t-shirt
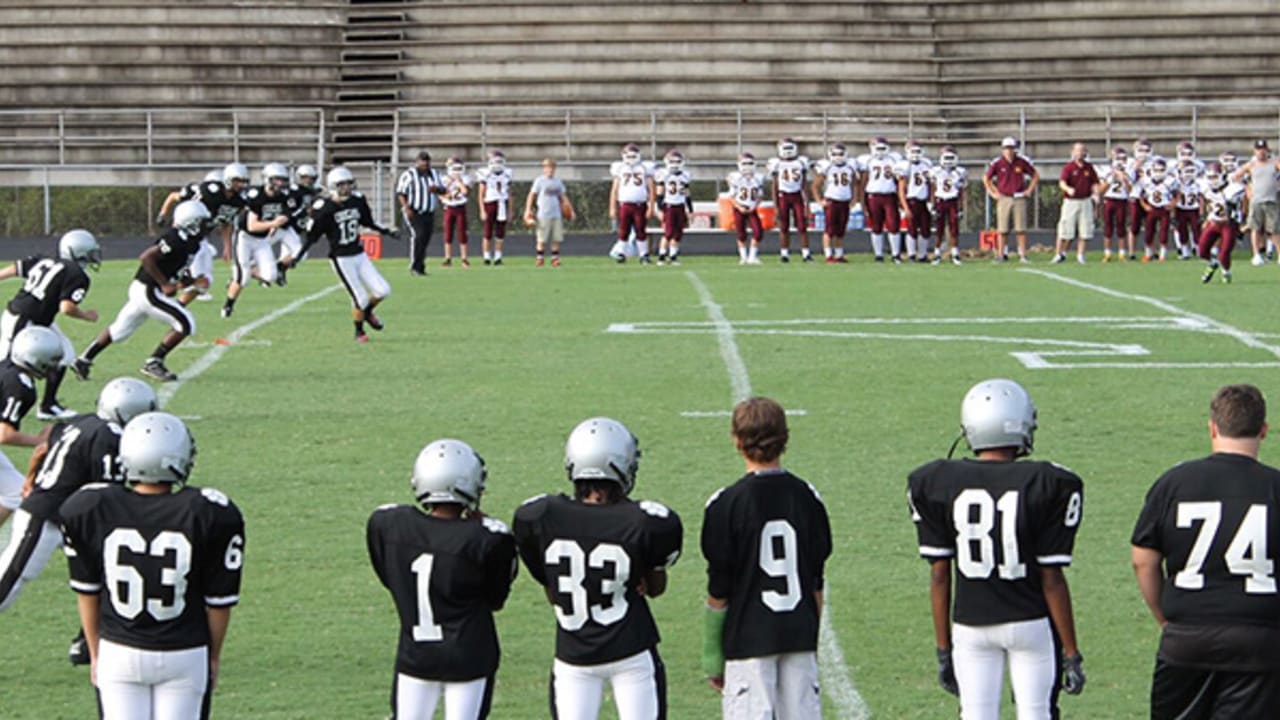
(554,208)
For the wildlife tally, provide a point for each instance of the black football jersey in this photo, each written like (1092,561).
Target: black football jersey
(82,451)
(1001,522)
(1216,521)
(592,558)
(307,197)
(269,207)
(340,223)
(48,283)
(176,250)
(447,578)
(157,561)
(223,209)
(17,393)
(766,539)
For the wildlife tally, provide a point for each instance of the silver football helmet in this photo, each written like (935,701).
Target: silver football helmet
(275,176)
(306,171)
(997,414)
(213,176)
(156,447)
(234,172)
(37,349)
(1187,172)
(190,217)
(1229,162)
(82,248)
(1213,176)
(1159,169)
(448,471)
(787,149)
(124,398)
(600,448)
(338,177)
(746,163)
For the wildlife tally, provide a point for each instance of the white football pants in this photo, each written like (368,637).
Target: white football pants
(638,682)
(136,684)
(31,544)
(416,699)
(774,687)
(979,654)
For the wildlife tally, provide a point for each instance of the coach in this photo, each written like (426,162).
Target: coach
(1079,184)
(1009,180)
(417,189)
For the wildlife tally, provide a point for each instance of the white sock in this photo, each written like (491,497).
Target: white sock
(642,246)
(675,250)
(804,252)
(911,246)
(619,249)
(895,244)
(877,243)
(826,252)
(784,252)
(487,256)
(840,252)
(753,253)
(497,254)
(1163,252)
(742,252)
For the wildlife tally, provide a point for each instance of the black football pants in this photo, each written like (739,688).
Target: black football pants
(1184,693)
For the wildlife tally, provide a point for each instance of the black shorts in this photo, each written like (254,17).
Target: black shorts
(1187,693)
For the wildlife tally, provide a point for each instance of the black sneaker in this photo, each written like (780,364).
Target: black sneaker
(227,310)
(78,653)
(281,280)
(373,321)
(154,368)
(417,273)
(54,411)
(808,258)
(1208,274)
(81,368)
(879,258)
(488,262)
(784,258)
(644,259)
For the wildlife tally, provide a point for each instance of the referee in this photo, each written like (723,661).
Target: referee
(417,190)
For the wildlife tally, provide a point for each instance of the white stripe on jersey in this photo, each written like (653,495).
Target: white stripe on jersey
(939,552)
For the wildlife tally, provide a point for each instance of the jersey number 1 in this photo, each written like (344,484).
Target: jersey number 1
(426,629)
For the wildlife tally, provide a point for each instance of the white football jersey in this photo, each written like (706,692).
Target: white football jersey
(497,185)
(675,185)
(456,190)
(1222,204)
(917,176)
(1158,194)
(947,184)
(789,175)
(838,180)
(1117,182)
(631,178)
(881,179)
(1141,172)
(1197,163)
(746,190)
(1188,195)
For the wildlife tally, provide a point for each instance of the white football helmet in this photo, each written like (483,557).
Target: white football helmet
(914,151)
(233,172)
(497,161)
(213,176)
(190,217)
(156,447)
(996,414)
(879,147)
(275,176)
(1186,151)
(1213,176)
(338,177)
(448,471)
(674,161)
(600,448)
(837,154)
(1187,172)
(306,171)
(631,153)
(787,149)
(80,247)
(1229,162)
(124,398)
(36,349)
(746,163)
(455,167)
(1142,148)
(948,159)
(1159,169)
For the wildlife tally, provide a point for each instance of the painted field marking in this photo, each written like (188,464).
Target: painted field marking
(833,669)
(201,344)
(215,353)
(727,413)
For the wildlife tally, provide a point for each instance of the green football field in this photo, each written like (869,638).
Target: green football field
(308,432)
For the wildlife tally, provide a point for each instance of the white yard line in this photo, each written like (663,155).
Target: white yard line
(215,353)
(833,669)
(727,413)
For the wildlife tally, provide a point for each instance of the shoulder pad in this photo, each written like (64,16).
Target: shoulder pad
(318,204)
(253,192)
(654,508)
(357,194)
(213,188)
(216,497)
(25,379)
(494,525)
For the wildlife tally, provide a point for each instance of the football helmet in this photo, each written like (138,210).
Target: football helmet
(914,151)
(998,413)
(275,176)
(631,153)
(837,154)
(1159,169)
(674,161)
(1213,175)
(746,163)
(1229,162)
(879,147)
(1187,171)
(948,159)
(454,167)
(156,447)
(338,177)
(1186,151)
(600,448)
(497,161)
(306,171)
(80,247)
(190,217)
(124,398)
(36,349)
(213,176)
(1141,148)
(448,471)
(233,172)
(787,149)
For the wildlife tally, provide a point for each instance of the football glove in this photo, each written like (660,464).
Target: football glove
(947,672)
(1073,674)
(160,219)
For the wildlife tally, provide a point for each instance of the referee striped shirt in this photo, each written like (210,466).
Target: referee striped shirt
(416,188)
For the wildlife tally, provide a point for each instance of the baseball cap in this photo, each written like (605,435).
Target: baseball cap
(1009,141)
(1260,144)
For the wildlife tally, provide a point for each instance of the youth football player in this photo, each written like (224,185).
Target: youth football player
(1156,192)
(913,195)
(631,198)
(879,186)
(35,352)
(495,205)
(746,187)
(1221,202)
(788,172)
(221,192)
(271,213)
(948,189)
(457,186)
(672,184)
(1117,187)
(1008,527)
(837,176)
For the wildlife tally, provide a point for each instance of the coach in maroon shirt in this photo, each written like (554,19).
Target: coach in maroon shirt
(1079,182)
(1009,180)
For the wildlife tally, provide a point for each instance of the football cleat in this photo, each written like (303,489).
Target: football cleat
(555,262)
(831,260)
(488,262)
(447,262)
(539,262)
(226,311)
(1226,277)
(1208,274)
(955,260)
(154,368)
(374,321)
(55,412)
(466,263)
(81,368)
(1258,261)
(362,338)
(784,258)
(842,260)
(807,257)
(497,262)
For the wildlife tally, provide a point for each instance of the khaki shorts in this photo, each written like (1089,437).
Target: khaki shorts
(1262,217)
(1007,207)
(1077,220)
(550,229)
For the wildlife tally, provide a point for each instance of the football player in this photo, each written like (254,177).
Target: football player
(221,192)
(599,555)
(495,205)
(1155,193)
(766,539)
(631,202)
(746,187)
(1186,209)
(838,178)
(1009,528)
(52,287)
(1220,208)
(151,294)
(448,568)
(1139,166)
(338,218)
(788,171)
(879,185)
(35,352)
(948,188)
(457,185)
(1115,205)
(305,192)
(156,564)
(913,196)
(272,210)
(672,183)
(1207,573)
(1187,156)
